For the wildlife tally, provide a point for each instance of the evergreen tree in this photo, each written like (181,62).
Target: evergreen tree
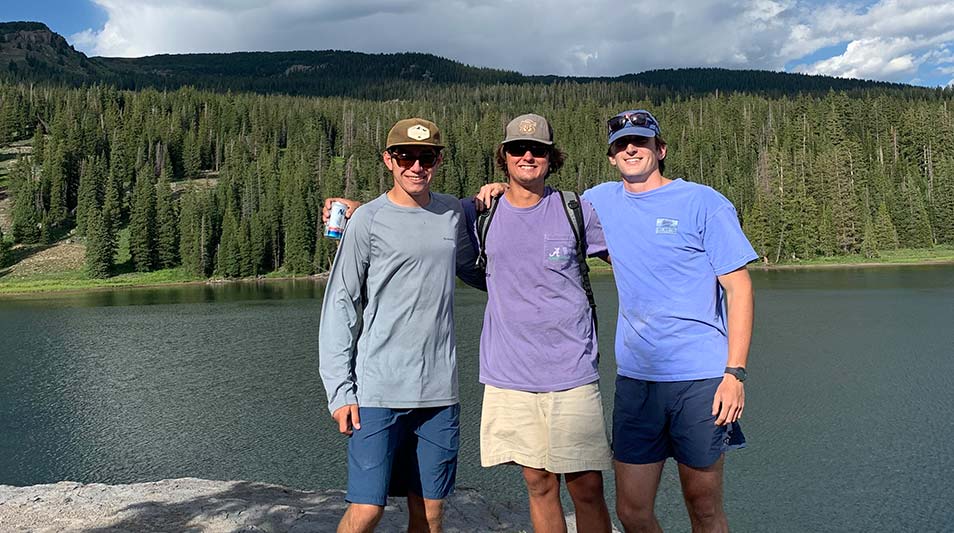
(869,240)
(943,202)
(191,156)
(228,257)
(93,175)
(916,230)
(298,228)
(100,245)
(885,234)
(142,222)
(3,249)
(167,223)
(195,233)
(56,182)
(27,203)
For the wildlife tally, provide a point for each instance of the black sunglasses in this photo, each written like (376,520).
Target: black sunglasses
(427,158)
(517,149)
(640,120)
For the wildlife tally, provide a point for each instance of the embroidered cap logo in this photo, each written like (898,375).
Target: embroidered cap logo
(418,132)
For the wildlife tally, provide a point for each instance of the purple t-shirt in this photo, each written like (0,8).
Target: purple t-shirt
(538,331)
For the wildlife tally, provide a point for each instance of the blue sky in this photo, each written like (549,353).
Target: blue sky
(908,41)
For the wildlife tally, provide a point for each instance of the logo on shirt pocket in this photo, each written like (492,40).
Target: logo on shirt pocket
(558,251)
(667,226)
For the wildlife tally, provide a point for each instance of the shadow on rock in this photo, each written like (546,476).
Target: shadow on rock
(195,505)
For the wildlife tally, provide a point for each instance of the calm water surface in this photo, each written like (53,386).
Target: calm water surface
(848,415)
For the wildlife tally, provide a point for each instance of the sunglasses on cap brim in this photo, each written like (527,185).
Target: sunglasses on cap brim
(640,120)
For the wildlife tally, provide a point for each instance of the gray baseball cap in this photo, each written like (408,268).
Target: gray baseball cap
(529,127)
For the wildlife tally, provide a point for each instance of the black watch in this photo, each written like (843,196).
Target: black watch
(737,371)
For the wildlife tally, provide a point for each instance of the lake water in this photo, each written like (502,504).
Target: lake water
(849,413)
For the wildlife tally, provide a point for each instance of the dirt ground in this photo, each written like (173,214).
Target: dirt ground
(38,259)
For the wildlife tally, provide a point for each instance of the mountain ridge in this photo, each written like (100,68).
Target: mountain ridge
(32,52)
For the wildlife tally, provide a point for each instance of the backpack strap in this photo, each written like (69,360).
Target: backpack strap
(574,214)
(483,226)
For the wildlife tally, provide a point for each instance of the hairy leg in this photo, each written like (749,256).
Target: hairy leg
(360,518)
(636,487)
(424,515)
(702,490)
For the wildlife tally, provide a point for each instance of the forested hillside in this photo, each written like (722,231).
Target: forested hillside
(31,52)
(231,184)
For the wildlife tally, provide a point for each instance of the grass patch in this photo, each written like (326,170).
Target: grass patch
(944,252)
(78,280)
(906,256)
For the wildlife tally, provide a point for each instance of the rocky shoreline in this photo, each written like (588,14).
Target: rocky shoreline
(198,505)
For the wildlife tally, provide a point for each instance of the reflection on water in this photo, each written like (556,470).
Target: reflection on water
(848,413)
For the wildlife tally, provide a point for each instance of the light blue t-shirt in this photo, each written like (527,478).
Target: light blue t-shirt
(386,334)
(668,246)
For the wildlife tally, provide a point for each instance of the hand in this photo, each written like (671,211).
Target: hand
(729,401)
(326,211)
(347,418)
(487,193)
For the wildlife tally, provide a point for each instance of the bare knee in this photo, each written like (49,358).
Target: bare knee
(704,508)
(702,490)
(360,518)
(635,515)
(541,483)
(585,487)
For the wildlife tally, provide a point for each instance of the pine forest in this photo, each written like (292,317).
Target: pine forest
(232,184)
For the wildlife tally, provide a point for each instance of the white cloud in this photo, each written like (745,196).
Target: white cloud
(890,39)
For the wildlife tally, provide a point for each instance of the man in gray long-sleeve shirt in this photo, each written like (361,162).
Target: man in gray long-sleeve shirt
(386,340)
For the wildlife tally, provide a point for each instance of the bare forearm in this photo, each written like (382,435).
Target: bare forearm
(740,307)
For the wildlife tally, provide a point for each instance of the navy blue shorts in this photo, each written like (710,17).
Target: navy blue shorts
(654,420)
(401,451)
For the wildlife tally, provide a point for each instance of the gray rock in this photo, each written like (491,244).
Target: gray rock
(198,505)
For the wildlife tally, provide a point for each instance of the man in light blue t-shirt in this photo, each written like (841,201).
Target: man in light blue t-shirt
(684,326)
(386,341)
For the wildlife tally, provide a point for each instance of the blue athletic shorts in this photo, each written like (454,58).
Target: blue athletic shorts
(654,420)
(401,451)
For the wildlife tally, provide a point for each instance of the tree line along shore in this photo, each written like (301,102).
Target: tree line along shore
(172,186)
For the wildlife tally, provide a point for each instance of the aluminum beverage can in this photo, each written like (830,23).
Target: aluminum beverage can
(336,221)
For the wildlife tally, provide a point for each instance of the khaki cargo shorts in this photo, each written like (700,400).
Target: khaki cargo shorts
(560,432)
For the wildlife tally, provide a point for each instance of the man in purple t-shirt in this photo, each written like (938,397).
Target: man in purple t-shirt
(542,407)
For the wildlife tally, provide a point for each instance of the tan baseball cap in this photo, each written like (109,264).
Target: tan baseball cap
(529,127)
(414,131)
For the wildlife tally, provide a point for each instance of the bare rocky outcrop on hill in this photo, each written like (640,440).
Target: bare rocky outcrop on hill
(31,49)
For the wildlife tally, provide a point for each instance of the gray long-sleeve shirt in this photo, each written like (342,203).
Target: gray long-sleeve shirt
(386,336)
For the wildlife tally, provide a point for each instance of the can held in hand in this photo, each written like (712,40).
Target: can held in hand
(336,221)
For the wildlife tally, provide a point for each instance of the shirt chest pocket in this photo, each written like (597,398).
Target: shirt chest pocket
(559,252)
